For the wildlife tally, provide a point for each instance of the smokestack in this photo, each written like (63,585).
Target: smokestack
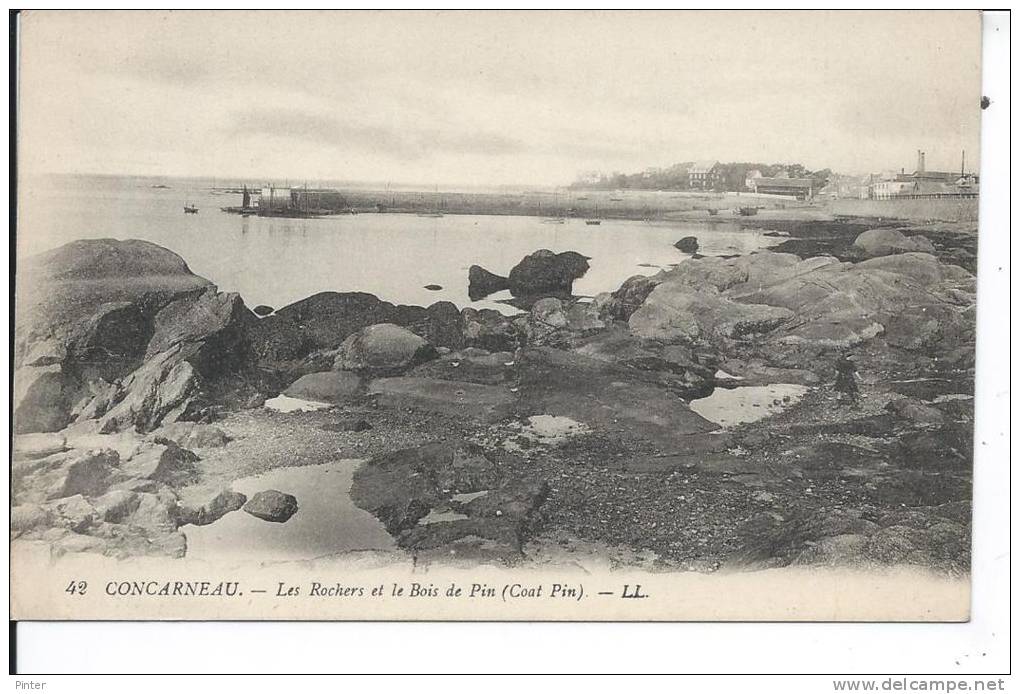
(963,163)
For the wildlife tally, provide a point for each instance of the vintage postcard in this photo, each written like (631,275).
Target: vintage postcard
(495,315)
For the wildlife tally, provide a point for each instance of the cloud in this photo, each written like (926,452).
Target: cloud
(381,138)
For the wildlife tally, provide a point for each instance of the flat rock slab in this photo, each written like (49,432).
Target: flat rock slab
(483,403)
(605,397)
(335,387)
(38,445)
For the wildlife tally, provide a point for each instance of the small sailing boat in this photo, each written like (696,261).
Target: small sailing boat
(594,220)
(559,219)
(190,209)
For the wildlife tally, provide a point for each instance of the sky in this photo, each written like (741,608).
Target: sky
(491,98)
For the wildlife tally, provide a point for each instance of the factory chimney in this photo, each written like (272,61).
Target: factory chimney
(920,161)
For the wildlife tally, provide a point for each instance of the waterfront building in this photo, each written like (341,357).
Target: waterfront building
(704,175)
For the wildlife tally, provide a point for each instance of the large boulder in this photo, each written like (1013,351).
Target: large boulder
(443,325)
(276,339)
(683,370)
(754,269)
(383,348)
(97,297)
(25,517)
(482,283)
(489,329)
(585,317)
(124,333)
(114,335)
(544,273)
(91,474)
(674,312)
(42,398)
(212,509)
(326,319)
(272,505)
(631,294)
(688,244)
(164,462)
(877,242)
(923,268)
(88,472)
(216,322)
(164,389)
(336,387)
(546,317)
(916,301)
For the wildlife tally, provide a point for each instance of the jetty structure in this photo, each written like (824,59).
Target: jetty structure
(285,201)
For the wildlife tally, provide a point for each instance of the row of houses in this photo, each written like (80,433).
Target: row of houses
(921,183)
(707,175)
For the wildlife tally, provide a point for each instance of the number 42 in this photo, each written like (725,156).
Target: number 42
(76,587)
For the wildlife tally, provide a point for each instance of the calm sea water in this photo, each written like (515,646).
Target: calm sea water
(279,261)
(327,521)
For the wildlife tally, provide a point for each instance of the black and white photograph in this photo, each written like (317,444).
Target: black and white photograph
(442,315)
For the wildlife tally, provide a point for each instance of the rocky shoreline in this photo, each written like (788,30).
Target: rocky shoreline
(139,393)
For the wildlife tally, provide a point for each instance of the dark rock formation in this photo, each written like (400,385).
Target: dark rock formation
(276,341)
(489,329)
(403,487)
(631,294)
(443,325)
(400,487)
(216,323)
(688,244)
(326,319)
(121,330)
(272,505)
(98,296)
(482,283)
(544,273)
